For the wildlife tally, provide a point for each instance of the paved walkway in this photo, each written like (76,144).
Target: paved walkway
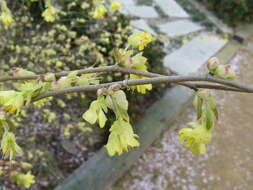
(167,19)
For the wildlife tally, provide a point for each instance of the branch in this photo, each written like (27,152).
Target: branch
(154,78)
(113,68)
(226,84)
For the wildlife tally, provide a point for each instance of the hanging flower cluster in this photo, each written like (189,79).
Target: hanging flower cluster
(122,136)
(126,57)
(200,134)
(197,137)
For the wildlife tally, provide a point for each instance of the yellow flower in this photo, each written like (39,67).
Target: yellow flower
(9,146)
(11,100)
(6,17)
(99,12)
(115,6)
(25,180)
(14,104)
(195,138)
(139,62)
(121,138)
(140,39)
(140,88)
(96,112)
(5,96)
(50,13)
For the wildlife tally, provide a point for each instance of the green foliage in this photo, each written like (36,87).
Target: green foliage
(231,11)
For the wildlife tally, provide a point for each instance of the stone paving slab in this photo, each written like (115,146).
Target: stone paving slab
(171,8)
(142,25)
(179,28)
(191,56)
(142,11)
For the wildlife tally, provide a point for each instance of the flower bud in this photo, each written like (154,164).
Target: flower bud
(102,91)
(99,92)
(105,91)
(114,87)
(231,75)
(221,71)
(26,166)
(49,77)
(213,63)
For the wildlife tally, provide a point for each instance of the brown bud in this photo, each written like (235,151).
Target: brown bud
(115,87)
(105,91)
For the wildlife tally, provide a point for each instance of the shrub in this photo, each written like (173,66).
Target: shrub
(231,11)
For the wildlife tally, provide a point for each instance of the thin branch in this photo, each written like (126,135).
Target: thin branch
(154,79)
(229,85)
(197,86)
(113,68)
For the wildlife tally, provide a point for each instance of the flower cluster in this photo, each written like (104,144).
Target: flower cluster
(25,180)
(100,10)
(122,136)
(200,134)
(195,138)
(127,58)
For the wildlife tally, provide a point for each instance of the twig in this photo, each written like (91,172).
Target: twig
(154,79)
(113,68)
(226,84)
